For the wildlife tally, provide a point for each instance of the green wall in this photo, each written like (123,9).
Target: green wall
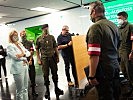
(114,7)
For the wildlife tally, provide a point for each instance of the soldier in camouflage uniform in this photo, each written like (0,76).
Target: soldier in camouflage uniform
(126,46)
(102,41)
(29,46)
(46,45)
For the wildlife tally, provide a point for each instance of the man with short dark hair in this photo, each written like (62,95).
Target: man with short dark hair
(126,46)
(46,45)
(102,40)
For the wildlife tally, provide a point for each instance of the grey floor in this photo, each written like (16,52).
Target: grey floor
(7,87)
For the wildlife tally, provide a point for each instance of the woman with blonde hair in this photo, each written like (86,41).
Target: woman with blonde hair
(19,65)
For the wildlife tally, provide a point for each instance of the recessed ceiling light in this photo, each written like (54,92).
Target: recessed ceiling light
(44,9)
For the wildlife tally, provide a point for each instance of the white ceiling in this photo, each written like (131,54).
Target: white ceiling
(16,10)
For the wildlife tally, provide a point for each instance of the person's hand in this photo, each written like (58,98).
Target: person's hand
(57,59)
(30,62)
(19,55)
(131,56)
(93,82)
(70,43)
(39,62)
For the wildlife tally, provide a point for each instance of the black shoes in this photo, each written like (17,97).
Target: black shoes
(47,95)
(58,92)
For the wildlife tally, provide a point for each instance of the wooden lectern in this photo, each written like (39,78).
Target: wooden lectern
(81,58)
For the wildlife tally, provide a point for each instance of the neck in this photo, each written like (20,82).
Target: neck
(99,17)
(45,34)
(16,43)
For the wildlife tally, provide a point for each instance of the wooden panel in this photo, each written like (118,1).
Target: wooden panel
(80,54)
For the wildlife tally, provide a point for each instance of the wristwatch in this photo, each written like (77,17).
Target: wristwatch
(91,78)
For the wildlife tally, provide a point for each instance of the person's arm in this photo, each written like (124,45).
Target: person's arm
(38,51)
(27,53)
(57,54)
(131,54)
(38,55)
(31,49)
(93,65)
(94,51)
(12,53)
(65,46)
(60,45)
(31,54)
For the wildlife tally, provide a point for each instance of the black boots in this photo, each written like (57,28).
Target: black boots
(34,92)
(58,92)
(47,93)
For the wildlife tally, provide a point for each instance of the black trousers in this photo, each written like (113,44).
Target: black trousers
(108,77)
(47,64)
(32,73)
(3,64)
(70,60)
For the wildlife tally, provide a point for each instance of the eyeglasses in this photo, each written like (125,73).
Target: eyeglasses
(64,30)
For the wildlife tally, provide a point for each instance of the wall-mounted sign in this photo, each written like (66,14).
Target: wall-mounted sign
(33,32)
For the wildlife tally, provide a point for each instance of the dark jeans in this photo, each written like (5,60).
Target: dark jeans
(47,64)
(32,73)
(68,61)
(3,64)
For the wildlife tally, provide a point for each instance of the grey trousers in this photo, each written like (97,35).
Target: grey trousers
(21,81)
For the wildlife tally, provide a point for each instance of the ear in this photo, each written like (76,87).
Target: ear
(94,11)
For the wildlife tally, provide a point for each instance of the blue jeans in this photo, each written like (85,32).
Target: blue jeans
(21,81)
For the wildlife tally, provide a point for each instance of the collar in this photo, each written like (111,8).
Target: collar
(43,35)
(99,18)
(123,25)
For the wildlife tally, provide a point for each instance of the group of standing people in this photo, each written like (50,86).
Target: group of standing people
(104,41)
(22,62)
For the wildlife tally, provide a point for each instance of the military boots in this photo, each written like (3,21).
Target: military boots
(47,93)
(58,92)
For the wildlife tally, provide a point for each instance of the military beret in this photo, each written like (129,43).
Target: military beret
(44,26)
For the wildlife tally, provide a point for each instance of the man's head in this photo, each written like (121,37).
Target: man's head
(45,28)
(96,9)
(122,17)
(23,34)
(65,29)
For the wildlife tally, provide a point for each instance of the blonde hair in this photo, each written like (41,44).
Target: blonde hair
(11,34)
